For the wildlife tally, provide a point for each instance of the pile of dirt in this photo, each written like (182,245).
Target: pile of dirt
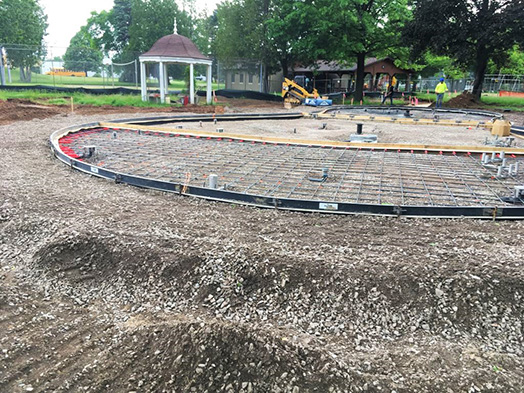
(16,110)
(465,100)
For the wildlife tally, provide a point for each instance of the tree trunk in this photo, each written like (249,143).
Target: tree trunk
(28,74)
(265,13)
(285,67)
(359,88)
(22,74)
(480,71)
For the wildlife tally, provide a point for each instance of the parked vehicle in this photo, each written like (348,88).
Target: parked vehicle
(60,71)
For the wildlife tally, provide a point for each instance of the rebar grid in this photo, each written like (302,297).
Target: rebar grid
(286,171)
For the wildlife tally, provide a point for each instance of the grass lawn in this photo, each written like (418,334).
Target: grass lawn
(496,102)
(43,97)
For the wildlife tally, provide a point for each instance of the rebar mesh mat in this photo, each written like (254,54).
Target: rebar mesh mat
(286,170)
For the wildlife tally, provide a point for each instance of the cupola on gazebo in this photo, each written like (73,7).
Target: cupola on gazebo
(174,49)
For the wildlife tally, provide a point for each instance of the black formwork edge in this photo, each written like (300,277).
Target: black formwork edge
(208,117)
(511,212)
(517,130)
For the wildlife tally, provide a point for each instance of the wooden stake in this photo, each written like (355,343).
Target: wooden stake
(72,105)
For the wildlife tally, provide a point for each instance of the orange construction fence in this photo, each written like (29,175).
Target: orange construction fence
(503,93)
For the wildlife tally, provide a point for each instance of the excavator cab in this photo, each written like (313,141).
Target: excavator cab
(303,81)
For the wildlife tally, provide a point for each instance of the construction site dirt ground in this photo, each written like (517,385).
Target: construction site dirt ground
(109,288)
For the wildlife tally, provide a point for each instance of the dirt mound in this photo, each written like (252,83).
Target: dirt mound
(381,300)
(75,258)
(51,344)
(465,100)
(211,356)
(16,110)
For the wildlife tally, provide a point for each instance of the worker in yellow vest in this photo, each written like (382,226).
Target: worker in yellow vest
(440,90)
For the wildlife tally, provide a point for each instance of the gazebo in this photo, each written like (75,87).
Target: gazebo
(174,49)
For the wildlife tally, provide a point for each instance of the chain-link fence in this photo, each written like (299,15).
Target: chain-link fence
(492,84)
(22,65)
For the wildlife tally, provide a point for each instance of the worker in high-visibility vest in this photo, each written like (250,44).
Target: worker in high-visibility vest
(440,89)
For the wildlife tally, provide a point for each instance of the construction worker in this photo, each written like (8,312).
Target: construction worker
(389,94)
(440,89)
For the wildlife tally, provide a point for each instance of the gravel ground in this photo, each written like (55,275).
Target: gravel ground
(106,287)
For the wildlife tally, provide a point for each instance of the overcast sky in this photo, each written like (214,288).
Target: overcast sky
(65,17)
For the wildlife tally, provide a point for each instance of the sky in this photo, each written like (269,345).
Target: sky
(65,17)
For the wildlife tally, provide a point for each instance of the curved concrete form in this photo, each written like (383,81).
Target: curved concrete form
(333,177)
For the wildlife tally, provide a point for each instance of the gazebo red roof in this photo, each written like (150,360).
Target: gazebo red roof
(175,45)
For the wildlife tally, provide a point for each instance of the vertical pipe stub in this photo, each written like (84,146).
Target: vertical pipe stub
(213,179)
(359,128)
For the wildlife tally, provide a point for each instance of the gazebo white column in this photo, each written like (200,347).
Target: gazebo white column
(209,86)
(166,79)
(161,82)
(191,84)
(143,82)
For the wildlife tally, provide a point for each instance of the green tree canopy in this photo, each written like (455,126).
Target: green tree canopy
(260,31)
(119,20)
(151,20)
(22,29)
(85,51)
(514,65)
(472,32)
(349,30)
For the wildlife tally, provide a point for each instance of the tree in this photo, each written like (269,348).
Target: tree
(85,51)
(235,38)
(472,32)
(513,66)
(117,37)
(348,30)
(205,33)
(22,27)
(286,28)
(150,21)
(243,35)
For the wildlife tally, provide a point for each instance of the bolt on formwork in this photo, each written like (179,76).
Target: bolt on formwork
(279,170)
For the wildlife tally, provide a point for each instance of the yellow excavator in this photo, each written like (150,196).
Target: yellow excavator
(296,93)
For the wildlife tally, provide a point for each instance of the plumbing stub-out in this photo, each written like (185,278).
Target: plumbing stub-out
(213,181)
(89,151)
